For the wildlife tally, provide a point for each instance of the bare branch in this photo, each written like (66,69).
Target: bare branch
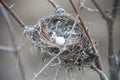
(119,59)
(115,8)
(101,74)
(57,73)
(110,22)
(82,5)
(61,51)
(10,29)
(82,24)
(100,10)
(76,11)
(46,65)
(13,14)
(53,3)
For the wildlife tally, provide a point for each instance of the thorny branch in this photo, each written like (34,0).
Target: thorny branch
(10,28)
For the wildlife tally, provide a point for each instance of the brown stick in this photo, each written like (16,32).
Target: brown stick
(13,14)
(76,11)
(82,24)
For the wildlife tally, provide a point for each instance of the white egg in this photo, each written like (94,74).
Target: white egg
(60,40)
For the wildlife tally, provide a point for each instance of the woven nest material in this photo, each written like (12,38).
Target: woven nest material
(44,34)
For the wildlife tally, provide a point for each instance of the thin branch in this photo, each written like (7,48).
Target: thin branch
(82,24)
(76,11)
(13,14)
(36,75)
(82,5)
(61,51)
(100,10)
(101,74)
(53,3)
(10,29)
(114,8)
(75,21)
(113,69)
(119,59)
(58,73)
(74,7)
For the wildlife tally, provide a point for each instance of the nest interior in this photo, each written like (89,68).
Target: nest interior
(44,33)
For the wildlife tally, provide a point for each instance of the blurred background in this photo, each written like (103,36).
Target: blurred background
(30,11)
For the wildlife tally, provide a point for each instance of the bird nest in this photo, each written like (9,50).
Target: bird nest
(58,31)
